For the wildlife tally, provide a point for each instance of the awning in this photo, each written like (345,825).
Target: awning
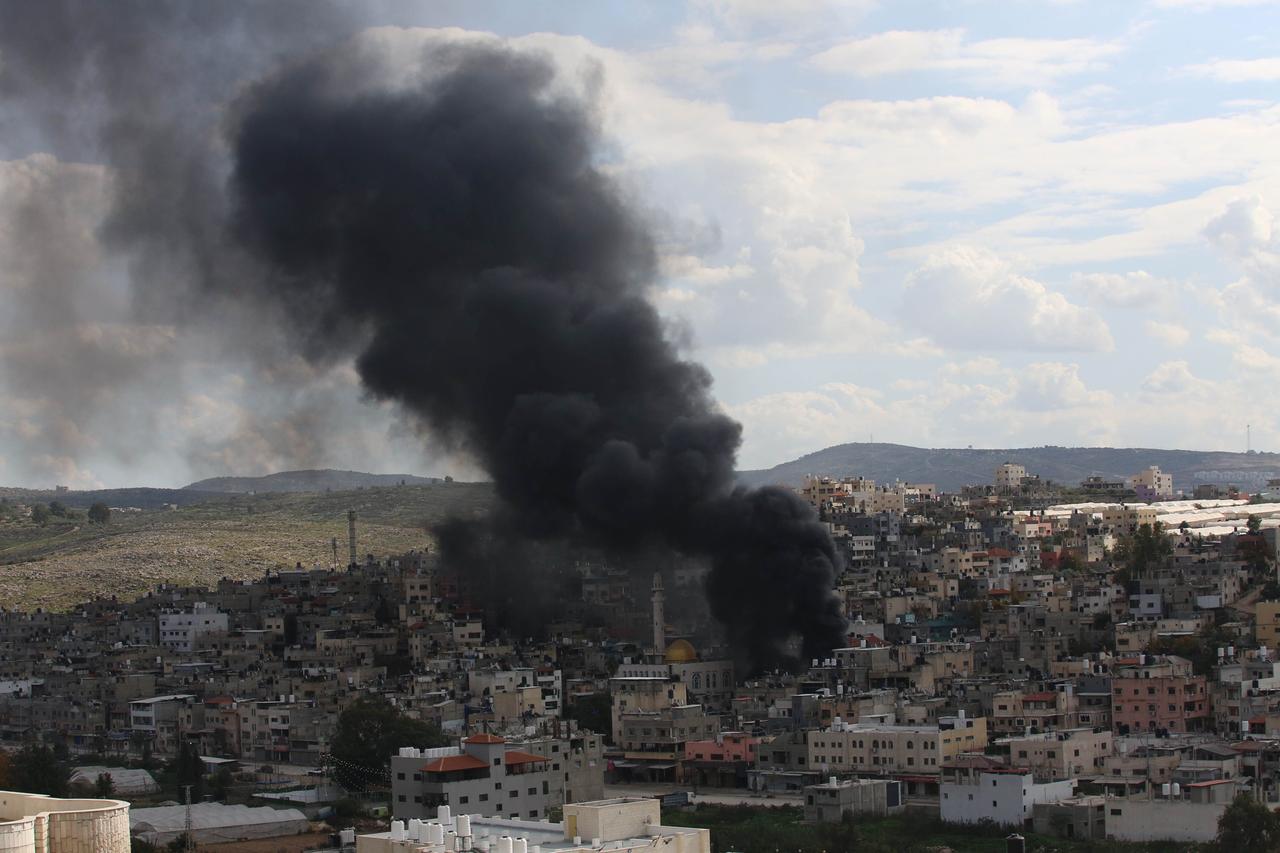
(658,766)
(623,765)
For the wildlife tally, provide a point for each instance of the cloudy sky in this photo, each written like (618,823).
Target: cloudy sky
(940,223)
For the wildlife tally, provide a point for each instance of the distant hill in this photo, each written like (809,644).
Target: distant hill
(326,480)
(950,468)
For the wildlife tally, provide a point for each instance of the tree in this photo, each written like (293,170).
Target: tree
(104,787)
(99,513)
(58,508)
(1254,524)
(40,514)
(369,731)
(188,769)
(1247,826)
(36,769)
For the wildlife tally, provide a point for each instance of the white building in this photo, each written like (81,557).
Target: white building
(179,630)
(1002,797)
(34,823)
(619,825)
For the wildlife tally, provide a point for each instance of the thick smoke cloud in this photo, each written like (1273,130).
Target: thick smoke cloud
(122,345)
(463,226)
(454,229)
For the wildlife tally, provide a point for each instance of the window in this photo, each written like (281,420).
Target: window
(533,791)
(463,800)
(484,798)
(402,798)
(400,776)
(497,786)
(497,762)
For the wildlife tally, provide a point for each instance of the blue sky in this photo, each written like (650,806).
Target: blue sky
(938,223)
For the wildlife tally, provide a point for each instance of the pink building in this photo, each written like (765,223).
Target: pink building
(722,762)
(1158,692)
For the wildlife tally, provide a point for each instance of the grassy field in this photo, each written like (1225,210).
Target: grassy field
(68,560)
(781,829)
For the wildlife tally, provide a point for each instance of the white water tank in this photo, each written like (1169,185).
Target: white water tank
(504,844)
(462,824)
(397,830)
(435,833)
(442,814)
(521,845)
(1177,790)
(414,829)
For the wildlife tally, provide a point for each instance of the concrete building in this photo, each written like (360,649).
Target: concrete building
(1066,754)
(486,776)
(34,823)
(179,630)
(623,824)
(1182,819)
(1158,692)
(1003,797)
(1152,484)
(1268,623)
(1010,476)
(835,798)
(865,748)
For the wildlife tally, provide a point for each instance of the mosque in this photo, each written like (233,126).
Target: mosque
(708,683)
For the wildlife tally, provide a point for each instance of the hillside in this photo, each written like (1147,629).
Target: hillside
(951,468)
(307,481)
(238,536)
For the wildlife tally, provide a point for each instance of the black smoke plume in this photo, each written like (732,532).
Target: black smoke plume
(458,232)
(465,228)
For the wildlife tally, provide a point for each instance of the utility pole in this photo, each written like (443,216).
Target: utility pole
(188,833)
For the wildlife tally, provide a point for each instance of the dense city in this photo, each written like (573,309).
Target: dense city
(1093,662)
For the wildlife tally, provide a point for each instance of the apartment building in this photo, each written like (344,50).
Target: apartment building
(861,748)
(1158,692)
(180,630)
(1064,754)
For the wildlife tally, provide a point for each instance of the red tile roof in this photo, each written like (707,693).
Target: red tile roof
(450,763)
(515,756)
(485,738)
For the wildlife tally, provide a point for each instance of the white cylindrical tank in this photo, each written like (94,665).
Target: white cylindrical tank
(504,844)
(435,833)
(414,829)
(397,830)
(442,814)
(462,824)
(520,845)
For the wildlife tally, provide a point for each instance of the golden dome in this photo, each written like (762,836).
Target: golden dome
(681,651)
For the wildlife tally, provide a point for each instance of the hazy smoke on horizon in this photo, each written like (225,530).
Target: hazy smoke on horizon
(455,231)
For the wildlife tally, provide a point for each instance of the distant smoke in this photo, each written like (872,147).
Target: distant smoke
(456,231)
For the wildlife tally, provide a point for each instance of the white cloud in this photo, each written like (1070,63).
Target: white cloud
(968,298)
(1008,61)
(1243,229)
(1171,377)
(1170,334)
(1137,289)
(1238,70)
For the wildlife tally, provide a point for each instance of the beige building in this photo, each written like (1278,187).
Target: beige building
(620,825)
(1268,625)
(876,749)
(33,823)
(1127,519)
(1152,483)
(1010,476)
(1063,754)
(639,694)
